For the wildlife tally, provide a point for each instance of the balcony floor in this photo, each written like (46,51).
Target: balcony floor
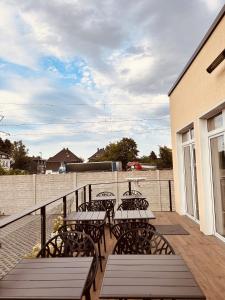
(204,255)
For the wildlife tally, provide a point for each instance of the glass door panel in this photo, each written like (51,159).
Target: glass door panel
(195,183)
(218,176)
(188,180)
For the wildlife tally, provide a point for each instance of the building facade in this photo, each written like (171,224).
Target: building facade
(5,160)
(57,163)
(197,109)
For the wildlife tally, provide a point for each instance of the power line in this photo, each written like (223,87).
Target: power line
(84,104)
(151,130)
(85,122)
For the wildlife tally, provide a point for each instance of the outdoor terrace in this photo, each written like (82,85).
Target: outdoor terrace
(204,255)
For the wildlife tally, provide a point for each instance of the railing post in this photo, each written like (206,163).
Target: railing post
(170,196)
(89,192)
(129,187)
(76,196)
(64,207)
(84,193)
(43,228)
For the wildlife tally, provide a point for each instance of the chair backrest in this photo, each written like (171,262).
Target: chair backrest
(127,205)
(91,206)
(73,244)
(142,241)
(92,230)
(119,229)
(133,192)
(105,194)
(133,204)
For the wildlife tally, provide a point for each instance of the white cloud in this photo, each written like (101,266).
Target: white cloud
(213,5)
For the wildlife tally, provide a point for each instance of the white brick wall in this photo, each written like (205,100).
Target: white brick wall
(18,192)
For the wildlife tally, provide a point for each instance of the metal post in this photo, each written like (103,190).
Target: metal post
(170,196)
(89,192)
(43,228)
(129,187)
(64,208)
(76,196)
(85,194)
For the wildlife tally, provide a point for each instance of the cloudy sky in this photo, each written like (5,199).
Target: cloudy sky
(83,73)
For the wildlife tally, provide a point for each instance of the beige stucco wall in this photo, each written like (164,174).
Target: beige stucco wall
(197,93)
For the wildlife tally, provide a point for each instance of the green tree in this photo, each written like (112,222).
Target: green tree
(151,159)
(153,156)
(165,158)
(6,146)
(20,156)
(124,150)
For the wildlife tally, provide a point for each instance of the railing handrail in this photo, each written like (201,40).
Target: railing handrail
(15,217)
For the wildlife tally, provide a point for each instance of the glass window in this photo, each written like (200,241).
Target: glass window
(215,122)
(185,137)
(192,133)
(218,172)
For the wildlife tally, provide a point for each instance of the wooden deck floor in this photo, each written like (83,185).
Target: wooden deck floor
(205,255)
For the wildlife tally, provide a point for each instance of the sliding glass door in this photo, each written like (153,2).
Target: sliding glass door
(191,181)
(218,178)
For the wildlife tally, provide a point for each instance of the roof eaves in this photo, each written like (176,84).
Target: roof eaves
(201,45)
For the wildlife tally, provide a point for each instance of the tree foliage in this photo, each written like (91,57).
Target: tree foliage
(18,152)
(151,159)
(165,160)
(124,150)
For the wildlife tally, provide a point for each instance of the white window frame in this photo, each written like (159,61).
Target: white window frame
(189,143)
(213,134)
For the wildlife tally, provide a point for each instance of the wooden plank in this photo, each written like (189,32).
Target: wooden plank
(143,262)
(46,293)
(33,284)
(147,268)
(101,216)
(118,215)
(48,276)
(143,257)
(146,274)
(73,216)
(120,281)
(78,265)
(45,271)
(56,259)
(149,214)
(152,291)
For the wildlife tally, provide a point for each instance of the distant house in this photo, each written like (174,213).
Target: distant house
(97,155)
(38,165)
(5,160)
(57,164)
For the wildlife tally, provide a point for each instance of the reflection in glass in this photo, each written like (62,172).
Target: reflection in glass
(215,122)
(218,173)
(188,180)
(195,183)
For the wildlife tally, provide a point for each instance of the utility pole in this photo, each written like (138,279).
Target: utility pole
(6,133)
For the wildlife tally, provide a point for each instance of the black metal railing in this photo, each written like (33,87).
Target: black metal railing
(87,195)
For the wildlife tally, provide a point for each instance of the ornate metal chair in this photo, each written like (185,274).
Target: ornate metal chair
(119,229)
(94,232)
(133,204)
(133,192)
(108,205)
(94,206)
(91,206)
(73,244)
(142,241)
